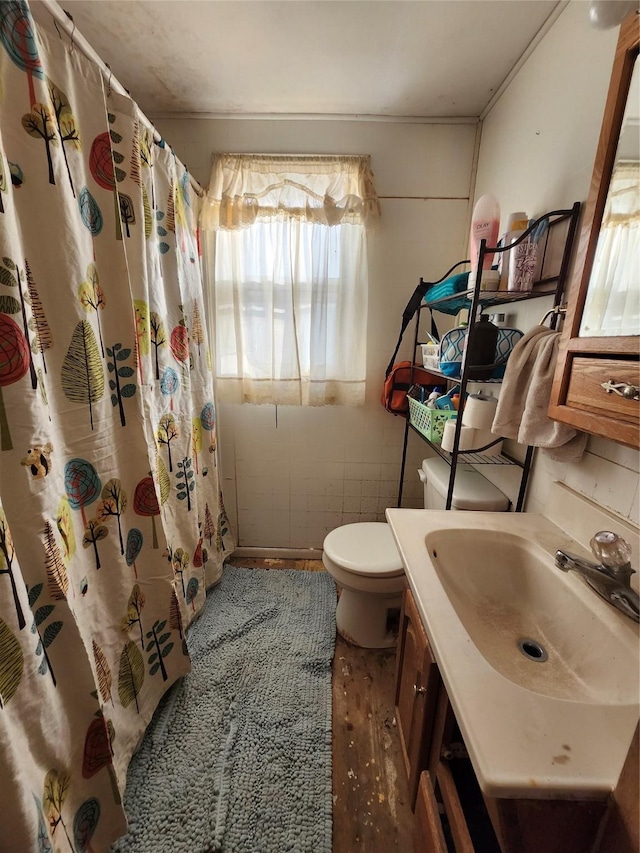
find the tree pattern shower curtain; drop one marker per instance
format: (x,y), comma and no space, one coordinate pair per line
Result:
(112,523)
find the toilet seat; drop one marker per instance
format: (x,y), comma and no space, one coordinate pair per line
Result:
(366,548)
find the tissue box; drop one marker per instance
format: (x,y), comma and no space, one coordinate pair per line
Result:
(430,358)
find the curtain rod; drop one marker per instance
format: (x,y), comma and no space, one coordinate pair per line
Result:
(65,20)
(278,156)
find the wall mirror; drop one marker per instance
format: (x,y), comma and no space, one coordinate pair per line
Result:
(612,304)
(597,380)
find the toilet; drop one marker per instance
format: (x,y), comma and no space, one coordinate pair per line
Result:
(471,491)
(365,563)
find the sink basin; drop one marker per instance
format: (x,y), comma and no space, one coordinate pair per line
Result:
(483,582)
(527,621)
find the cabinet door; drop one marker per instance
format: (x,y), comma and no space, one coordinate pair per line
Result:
(428,836)
(453,808)
(416,690)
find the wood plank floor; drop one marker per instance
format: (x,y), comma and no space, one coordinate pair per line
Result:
(371,812)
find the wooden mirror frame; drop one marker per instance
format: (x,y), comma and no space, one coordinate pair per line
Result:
(584,363)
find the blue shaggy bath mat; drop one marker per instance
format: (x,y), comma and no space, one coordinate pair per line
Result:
(238,756)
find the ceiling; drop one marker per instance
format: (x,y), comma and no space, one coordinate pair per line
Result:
(418,58)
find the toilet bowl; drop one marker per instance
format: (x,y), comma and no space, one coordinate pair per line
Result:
(364,561)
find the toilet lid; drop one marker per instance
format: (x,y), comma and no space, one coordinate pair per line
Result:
(365,548)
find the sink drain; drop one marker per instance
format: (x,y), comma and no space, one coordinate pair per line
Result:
(532,650)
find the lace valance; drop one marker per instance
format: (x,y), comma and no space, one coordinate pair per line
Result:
(329,190)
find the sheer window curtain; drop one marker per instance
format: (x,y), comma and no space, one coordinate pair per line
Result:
(286,254)
(613,298)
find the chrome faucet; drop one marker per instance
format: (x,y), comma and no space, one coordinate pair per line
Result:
(611,577)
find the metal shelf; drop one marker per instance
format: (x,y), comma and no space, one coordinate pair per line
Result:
(472,457)
(547,285)
(491,298)
(437,372)
(476,457)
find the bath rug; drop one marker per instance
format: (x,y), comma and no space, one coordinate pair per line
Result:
(237,758)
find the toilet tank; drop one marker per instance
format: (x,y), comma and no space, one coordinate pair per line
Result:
(471,491)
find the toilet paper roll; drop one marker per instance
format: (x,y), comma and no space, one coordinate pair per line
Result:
(467,436)
(479,412)
(484,437)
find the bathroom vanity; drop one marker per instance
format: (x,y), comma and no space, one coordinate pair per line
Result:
(517,686)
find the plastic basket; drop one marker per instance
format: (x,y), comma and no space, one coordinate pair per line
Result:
(429,422)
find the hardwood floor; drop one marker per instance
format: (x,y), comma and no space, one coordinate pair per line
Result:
(371,811)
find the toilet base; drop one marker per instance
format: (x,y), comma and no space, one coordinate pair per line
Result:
(364,620)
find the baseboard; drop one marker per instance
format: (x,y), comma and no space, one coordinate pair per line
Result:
(278,553)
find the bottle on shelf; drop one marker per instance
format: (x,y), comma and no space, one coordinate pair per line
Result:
(431,400)
(482,349)
(517,224)
(485,224)
(522,267)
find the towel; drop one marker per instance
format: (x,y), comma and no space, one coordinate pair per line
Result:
(521,413)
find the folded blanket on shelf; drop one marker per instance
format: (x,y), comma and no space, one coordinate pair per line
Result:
(447,289)
(521,413)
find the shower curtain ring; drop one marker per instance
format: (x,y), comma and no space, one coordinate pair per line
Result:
(109,80)
(55,24)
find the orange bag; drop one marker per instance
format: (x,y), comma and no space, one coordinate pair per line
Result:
(398,382)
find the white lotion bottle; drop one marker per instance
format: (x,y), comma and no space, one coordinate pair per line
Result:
(485,224)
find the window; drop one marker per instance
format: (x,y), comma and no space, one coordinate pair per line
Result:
(288,262)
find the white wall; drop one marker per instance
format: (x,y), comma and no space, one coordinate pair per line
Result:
(287,485)
(536,154)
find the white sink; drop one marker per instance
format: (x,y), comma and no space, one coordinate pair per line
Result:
(559,728)
(526,621)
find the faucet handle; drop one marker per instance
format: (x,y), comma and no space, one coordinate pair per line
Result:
(611,550)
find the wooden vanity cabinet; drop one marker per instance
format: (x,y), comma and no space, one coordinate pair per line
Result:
(451,813)
(430,738)
(417,682)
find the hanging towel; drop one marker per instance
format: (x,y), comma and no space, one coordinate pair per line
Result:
(524,399)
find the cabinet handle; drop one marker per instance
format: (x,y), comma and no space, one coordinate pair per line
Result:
(629,392)
(417,689)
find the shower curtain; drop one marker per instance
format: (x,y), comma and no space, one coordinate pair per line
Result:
(112,523)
